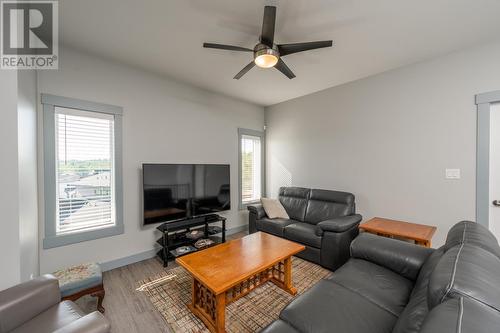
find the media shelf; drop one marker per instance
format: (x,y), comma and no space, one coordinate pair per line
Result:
(174,235)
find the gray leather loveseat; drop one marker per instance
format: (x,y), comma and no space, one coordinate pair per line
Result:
(389,286)
(35,306)
(324,221)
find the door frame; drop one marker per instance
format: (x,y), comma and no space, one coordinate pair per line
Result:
(483,102)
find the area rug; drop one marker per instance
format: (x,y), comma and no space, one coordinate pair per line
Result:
(247,314)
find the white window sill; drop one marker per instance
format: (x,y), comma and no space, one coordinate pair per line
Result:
(50,242)
(243,205)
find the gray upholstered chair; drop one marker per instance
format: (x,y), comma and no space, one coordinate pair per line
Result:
(35,306)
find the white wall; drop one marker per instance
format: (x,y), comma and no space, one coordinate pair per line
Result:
(164,122)
(388,139)
(18,177)
(27,159)
(9,232)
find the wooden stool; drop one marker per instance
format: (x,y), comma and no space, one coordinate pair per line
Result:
(81,280)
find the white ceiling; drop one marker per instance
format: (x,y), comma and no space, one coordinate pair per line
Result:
(370,36)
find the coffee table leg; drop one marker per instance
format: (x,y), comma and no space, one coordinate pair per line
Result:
(288,277)
(282,276)
(207,306)
(220,313)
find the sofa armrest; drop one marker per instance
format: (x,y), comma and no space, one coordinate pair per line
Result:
(401,257)
(258,210)
(94,322)
(24,301)
(339,224)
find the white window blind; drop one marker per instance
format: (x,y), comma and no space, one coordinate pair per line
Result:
(85,175)
(251,168)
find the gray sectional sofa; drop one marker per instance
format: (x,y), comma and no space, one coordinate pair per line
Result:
(324,221)
(390,286)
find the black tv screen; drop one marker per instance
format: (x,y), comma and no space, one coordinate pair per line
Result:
(178,191)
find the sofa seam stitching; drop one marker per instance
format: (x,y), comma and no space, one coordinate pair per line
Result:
(452,281)
(288,323)
(367,298)
(475,299)
(460,315)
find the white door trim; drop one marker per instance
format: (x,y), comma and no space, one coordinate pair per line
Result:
(483,102)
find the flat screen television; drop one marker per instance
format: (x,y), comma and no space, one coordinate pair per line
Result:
(178,191)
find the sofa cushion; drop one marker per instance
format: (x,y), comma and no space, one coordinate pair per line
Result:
(279,326)
(304,233)
(412,317)
(403,258)
(466,270)
(472,233)
(294,199)
(52,319)
(383,287)
(324,205)
(462,315)
(273,226)
(328,307)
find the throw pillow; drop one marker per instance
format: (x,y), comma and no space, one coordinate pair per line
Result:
(274,209)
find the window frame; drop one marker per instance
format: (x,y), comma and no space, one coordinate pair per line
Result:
(51,238)
(262,135)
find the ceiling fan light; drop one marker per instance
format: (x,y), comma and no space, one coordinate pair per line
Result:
(266,60)
(265,57)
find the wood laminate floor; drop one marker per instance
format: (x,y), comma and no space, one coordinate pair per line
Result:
(127,309)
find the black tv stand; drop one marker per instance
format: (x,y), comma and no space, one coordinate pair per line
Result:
(173,234)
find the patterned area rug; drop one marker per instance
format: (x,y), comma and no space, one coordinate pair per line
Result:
(247,314)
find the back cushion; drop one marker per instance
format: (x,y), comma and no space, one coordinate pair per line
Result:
(294,200)
(472,233)
(466,270)
(412,317)
(466,266)
(324,205)
(462,315)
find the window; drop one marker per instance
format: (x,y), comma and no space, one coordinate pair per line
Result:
(251,162)
(84,177)
(82,158)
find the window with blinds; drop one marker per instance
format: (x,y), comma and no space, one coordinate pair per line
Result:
(251,168)
(85,184)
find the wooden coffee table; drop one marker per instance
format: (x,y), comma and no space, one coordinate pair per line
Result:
(420,233)
(226,272)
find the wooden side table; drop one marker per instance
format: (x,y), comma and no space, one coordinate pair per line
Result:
(420,233)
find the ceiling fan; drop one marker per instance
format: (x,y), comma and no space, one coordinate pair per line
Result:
(267,54)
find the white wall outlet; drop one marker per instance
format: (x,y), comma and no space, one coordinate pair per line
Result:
(452,173)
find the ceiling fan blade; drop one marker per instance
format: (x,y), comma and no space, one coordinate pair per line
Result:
(286,49)
(283,68)
(244,70)
(267,36)
(226,47)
